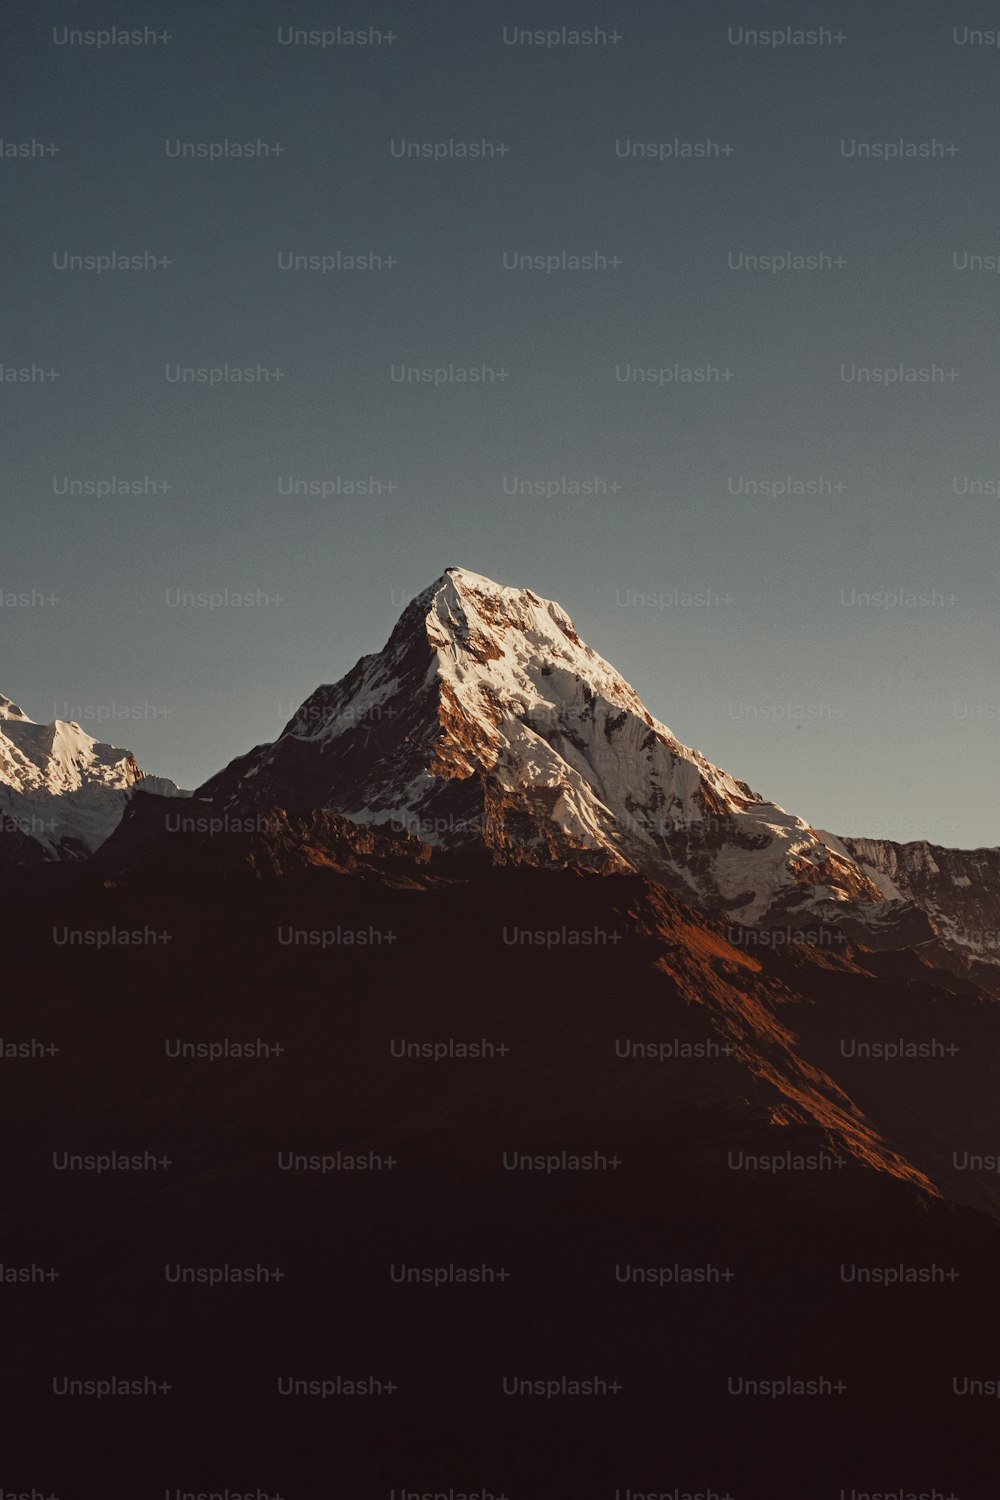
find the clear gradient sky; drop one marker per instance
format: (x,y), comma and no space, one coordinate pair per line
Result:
(863,717)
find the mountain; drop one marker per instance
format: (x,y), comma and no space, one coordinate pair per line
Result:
(589,1080)
(61,791)
(486,723)
(959,889)
(799,1208)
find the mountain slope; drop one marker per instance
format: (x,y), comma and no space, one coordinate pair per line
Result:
(486,722)
(958,888)
(61,791)
(684,1063)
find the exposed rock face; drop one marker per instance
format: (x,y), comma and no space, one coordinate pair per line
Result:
(158,836)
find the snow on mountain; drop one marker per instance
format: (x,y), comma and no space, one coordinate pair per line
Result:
(486,721)
(959,889)
(61,788)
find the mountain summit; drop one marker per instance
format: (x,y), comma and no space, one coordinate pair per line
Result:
(486,723)
(61,791)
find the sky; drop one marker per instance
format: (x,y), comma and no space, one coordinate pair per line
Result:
(785,536)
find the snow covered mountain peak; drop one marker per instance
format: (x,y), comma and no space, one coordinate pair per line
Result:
(487,723)
(9,710)
(525,647)
(61,787)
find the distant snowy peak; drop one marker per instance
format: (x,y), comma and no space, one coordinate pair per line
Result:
(486,722)
(60,787)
